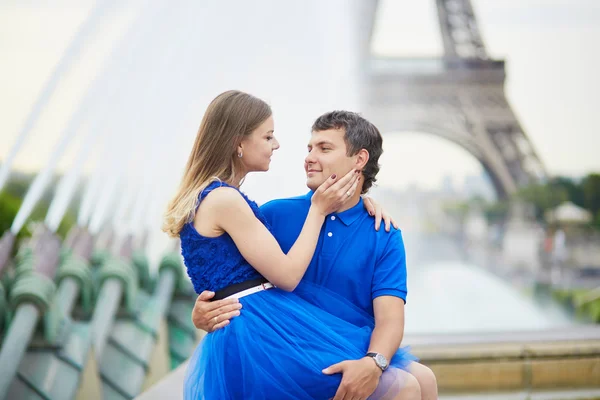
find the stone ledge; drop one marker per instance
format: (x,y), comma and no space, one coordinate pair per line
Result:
(509,351)
(512,363)
(493,375)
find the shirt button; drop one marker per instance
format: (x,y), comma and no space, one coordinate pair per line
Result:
(333,217)
(330,234)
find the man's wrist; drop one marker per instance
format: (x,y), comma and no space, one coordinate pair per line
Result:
(380,360)
(373,365)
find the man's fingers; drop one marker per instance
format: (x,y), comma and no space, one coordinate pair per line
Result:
(228,316)
(387,218)
(341,393)
(205,296)
(220,325)
(394,223)
(224,319)
(214,306)
(334,369)
(221,311)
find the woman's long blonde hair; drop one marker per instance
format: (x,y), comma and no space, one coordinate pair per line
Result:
(229,118)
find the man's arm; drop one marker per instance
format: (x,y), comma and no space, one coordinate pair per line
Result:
(389,325)
(389,297)
(360,377)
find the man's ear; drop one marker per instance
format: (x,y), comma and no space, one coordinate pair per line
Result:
(362,157)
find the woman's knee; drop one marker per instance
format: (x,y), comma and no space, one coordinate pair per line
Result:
(411,389)
(426,379)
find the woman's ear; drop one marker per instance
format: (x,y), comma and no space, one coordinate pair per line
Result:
(362,157)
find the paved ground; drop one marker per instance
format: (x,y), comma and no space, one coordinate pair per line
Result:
(591,394)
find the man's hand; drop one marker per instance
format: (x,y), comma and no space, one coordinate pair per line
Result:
(359,378)
(212,315)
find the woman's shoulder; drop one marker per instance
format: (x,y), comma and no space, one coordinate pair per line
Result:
(225,197)
(217,188)
(220,197)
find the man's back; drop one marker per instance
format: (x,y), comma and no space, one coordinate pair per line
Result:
(351,258)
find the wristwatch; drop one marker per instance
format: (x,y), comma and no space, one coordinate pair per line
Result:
(380,360)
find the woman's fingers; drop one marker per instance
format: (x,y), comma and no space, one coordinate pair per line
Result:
(327,184)
(343,182)
(368,204)
(352,189)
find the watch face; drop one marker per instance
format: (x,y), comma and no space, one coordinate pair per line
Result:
(381,361)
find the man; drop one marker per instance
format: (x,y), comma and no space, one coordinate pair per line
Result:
(364,265)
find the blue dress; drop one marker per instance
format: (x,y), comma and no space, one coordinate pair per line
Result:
(279,345)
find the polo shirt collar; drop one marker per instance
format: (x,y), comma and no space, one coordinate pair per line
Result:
(349,216)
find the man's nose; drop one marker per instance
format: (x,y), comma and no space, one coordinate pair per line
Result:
(310,158)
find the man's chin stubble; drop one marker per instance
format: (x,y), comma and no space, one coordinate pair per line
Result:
(311,185)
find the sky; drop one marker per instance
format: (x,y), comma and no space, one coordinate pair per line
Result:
(550,48)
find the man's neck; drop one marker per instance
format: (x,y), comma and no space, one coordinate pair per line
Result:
(353,201)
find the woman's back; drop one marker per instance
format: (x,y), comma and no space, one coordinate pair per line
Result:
(213,263)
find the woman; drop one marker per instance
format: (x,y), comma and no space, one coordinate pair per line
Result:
(278,348)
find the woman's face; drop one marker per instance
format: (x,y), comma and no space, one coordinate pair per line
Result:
(257,148)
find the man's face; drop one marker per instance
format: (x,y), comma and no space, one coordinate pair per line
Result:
(326,156)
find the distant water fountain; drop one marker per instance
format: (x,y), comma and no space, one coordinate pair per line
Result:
(106,114)
(43,178)
(149,146)
(116,68)
(456,297)
(71,54)
(68,184)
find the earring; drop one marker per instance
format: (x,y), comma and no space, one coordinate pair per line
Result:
(240,154)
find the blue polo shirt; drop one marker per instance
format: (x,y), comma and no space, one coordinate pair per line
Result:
(351,258)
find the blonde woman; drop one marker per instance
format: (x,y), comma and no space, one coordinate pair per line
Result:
(280,345)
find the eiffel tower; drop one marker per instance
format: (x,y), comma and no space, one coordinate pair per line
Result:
(459,97)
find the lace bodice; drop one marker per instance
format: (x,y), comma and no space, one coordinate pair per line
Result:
(213,263)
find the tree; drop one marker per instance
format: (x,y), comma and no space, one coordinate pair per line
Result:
(543,197)
(12,196)
(9,206)
(591,196)
(591,192)
(496,212)
(573,189)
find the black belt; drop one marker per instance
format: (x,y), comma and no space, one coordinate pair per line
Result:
(238,287)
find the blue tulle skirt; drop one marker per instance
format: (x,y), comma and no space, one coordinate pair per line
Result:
(279,345)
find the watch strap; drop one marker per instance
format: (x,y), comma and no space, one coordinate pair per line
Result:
(374,356)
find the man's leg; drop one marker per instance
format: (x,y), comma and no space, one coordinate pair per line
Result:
(426,379)
(396,384)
